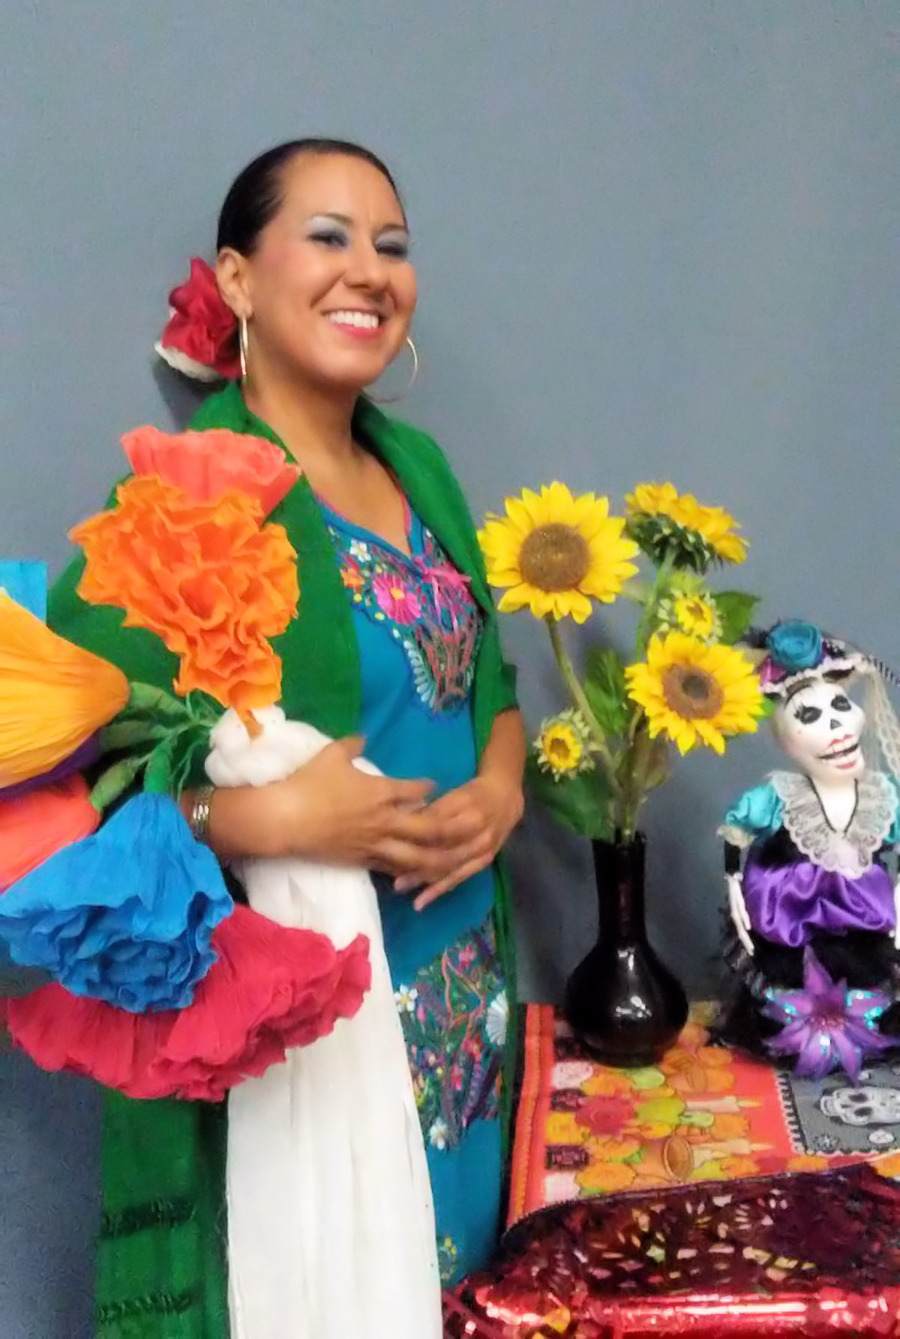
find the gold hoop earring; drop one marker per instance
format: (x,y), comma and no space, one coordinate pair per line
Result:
(392,399)
(243,345)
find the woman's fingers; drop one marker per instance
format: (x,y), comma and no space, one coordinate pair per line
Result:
(450,881)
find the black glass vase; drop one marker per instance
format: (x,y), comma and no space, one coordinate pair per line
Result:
(622,1003)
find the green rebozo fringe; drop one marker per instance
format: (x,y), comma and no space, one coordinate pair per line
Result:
(161,1267)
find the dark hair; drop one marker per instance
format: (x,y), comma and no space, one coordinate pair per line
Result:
(256,194)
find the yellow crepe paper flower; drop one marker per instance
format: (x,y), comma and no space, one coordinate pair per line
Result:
(563,745)
(667,523)
(556,553)
(695,693)
(53,695)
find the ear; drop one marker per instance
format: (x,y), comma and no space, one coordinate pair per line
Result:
(233,278)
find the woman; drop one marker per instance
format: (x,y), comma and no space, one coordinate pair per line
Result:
(395,650)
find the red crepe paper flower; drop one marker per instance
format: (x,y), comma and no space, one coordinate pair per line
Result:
(35,825)
(205,464)
(271,988)
(200,337)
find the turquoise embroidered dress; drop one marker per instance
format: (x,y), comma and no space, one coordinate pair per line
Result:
(418,629)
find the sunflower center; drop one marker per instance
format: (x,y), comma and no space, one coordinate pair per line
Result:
(559,750)
(554,557)
(692,693)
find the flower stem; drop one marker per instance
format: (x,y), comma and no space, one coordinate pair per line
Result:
(651,605)
(580,698)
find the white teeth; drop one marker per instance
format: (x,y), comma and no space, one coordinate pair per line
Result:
(363,320)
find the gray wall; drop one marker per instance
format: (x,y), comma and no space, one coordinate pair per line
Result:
(655,239)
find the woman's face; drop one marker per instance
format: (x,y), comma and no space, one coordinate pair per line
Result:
(820,728)
(330,290)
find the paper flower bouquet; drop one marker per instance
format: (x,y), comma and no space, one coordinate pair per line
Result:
(162,985)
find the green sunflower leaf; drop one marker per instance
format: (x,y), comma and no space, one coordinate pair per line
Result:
(735,610)
(605,690)
(579,802)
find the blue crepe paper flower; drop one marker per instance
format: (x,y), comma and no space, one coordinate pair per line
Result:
(125,915)
(795,645)
(25,581)
(826,1025)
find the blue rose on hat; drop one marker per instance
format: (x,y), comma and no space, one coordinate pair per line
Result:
(795,645)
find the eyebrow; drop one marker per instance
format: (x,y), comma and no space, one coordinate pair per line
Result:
(349,222)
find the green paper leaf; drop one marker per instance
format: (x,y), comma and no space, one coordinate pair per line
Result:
(735,609)
(158,776)
(126,734)
(604,688)
(115,781)
(147,700)
(579,802)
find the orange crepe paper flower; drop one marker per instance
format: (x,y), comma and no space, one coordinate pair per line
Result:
(36,825)
(211,582)
(53,695)
(206,464)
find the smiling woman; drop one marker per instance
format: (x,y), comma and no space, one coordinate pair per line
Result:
(395,639)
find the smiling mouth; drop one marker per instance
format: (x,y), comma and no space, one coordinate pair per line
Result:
(356,320)
(838,754)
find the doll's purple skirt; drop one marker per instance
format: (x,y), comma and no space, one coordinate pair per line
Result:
(789,904)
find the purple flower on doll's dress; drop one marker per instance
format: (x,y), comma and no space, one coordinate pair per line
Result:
(826,1025)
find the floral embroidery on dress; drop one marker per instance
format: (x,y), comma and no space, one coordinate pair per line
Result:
(448,1253)
(454,1021)
(427,605)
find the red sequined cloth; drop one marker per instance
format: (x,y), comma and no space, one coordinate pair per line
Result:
(811,1254)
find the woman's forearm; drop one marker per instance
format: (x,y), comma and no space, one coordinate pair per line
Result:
(506,749)
(243,821)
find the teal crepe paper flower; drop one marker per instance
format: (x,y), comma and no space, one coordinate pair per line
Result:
(125,915)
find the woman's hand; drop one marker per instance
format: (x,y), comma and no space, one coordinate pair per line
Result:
(328,811)
(471,824)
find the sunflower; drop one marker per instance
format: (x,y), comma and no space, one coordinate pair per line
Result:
(695,693)
(563,745)
(555,552)
(667,524)
(689,607)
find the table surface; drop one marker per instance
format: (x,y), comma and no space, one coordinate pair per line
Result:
(705,1112)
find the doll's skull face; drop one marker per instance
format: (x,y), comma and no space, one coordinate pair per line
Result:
(820,728)
(863,1106)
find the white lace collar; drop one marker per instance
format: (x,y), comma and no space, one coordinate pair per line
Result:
(849,852)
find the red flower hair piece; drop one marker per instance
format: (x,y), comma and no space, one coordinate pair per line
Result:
(200,336)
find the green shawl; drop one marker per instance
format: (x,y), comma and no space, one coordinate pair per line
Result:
(161,1272)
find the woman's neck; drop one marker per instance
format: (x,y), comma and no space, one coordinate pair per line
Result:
(315,425)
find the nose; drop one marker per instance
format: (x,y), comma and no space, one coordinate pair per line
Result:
(835,725)
(367,267)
